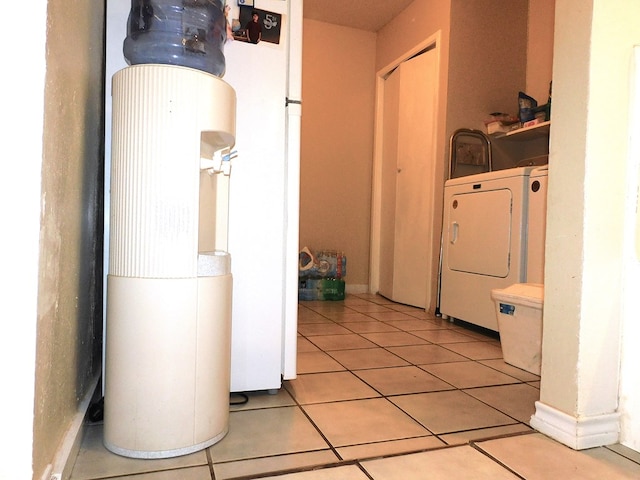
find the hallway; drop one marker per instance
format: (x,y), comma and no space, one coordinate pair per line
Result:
(384,392)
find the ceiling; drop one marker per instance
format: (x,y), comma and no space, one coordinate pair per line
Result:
(369,15)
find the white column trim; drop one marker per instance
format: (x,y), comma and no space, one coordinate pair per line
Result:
(577,433)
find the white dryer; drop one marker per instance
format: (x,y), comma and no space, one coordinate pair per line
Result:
(484,242)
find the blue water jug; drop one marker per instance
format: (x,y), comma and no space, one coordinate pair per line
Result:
(189,33)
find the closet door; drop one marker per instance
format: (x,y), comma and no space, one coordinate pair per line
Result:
(407,180)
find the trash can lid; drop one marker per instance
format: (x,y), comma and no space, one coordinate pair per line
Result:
(529,294)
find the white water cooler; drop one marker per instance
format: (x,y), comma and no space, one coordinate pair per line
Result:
(167,373)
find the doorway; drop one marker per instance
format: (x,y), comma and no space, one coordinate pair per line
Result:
(403,234)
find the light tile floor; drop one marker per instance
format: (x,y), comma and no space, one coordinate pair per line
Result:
(384,392)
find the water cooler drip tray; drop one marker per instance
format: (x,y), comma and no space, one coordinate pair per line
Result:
(214,264)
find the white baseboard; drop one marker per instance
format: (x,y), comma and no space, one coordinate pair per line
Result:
(62,465)
(577,433)
(356,289)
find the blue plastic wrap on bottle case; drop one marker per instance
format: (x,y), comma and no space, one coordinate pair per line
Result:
(188,33)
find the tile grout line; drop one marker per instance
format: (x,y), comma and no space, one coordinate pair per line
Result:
(479,449)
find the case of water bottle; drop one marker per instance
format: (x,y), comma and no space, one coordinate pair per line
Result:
(320,275)
(188,33)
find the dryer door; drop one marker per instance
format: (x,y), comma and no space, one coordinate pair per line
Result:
(479,232)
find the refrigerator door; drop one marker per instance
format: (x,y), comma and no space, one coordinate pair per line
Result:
(293,126)
(263,209)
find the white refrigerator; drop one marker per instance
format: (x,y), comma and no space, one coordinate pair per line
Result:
(264,191)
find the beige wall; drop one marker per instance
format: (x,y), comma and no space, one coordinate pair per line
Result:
(568,166)
(487,60)
(540,48)
(338,81)
(413,25)
(69,325)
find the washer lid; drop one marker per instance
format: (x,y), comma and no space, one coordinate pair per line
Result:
(489,176)
(540,172)
(527,294)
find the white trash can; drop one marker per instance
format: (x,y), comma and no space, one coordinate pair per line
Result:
(519,313)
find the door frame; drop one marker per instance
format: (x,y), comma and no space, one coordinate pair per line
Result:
(434,41)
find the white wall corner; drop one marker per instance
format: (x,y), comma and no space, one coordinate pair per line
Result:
(577,433)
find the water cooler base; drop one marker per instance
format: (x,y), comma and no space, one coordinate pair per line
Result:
(167,373)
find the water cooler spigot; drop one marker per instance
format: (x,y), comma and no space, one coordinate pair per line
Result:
(219,163)
(226,162)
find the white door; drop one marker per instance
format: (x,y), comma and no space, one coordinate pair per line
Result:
(407,180)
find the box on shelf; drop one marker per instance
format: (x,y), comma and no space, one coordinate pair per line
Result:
(500,123)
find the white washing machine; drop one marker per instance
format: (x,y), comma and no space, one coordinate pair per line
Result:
(484,242)
(536,224)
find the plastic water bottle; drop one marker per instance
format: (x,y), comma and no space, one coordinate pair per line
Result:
(189,33)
